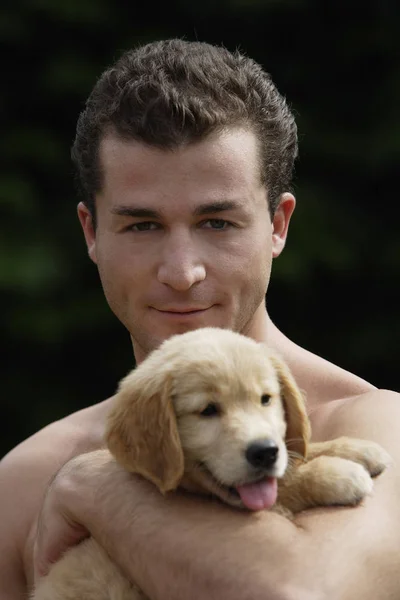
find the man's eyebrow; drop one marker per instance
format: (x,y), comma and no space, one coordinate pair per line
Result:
(149,213)
(132,211)
(216,207)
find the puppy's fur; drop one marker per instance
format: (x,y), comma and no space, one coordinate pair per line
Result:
(196,414)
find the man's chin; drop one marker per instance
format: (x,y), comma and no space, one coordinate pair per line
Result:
(160,327)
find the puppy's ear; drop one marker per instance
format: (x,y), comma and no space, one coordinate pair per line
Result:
(298,431)
(142,432)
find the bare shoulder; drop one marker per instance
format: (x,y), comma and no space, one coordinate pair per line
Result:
(31,464)
(370,415)
(26,471)
(53,445)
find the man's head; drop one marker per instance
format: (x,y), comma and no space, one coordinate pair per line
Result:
(172,93)
(185,153)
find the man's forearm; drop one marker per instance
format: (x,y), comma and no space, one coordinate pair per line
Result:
(185,550)
(180,547)
(185,547)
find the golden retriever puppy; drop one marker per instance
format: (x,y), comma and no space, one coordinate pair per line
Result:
(216,413)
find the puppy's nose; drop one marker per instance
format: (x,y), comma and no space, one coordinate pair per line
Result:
(262,453)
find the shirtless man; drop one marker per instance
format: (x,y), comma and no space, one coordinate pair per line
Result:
(185,154)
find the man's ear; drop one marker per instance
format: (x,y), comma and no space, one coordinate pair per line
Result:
(86,220)
(280,222)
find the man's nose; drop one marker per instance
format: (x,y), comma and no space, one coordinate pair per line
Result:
(181,265)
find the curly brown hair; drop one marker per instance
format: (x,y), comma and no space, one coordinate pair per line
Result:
(173,92)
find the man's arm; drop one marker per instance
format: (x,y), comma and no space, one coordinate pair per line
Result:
(24,476)
(12,579)
(181,546)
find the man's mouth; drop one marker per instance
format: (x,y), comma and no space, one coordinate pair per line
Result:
(182,314)
(182,310)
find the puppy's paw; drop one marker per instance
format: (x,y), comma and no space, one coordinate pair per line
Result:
(353,484)
(325,481)
(368,454)
(337,481)
(375,459)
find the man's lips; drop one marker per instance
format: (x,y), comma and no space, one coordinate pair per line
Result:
(181,310)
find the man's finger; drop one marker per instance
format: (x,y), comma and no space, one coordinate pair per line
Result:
(56,532)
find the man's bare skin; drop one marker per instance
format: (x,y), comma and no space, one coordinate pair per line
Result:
(40,456)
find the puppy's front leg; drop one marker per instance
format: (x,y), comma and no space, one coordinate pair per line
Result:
(368,454)
(324,481)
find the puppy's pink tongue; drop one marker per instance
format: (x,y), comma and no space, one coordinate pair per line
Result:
(260,495)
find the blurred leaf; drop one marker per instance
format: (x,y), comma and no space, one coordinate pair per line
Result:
(30,267)
(87,12)
(38,146)
(17,196)
(68,73)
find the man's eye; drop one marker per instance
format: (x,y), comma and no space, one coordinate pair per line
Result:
(216,224)
(144,226)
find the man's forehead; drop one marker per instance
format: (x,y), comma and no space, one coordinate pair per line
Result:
(233,147)
(215,171)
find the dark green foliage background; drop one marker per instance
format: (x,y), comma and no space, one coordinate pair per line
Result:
(335,290)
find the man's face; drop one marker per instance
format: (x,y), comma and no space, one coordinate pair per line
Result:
(184,238)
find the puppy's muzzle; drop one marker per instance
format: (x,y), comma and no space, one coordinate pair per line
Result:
(262,454)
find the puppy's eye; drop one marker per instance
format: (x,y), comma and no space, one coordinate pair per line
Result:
(265,399)
(211,410)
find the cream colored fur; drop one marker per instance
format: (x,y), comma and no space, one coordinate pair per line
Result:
(156,429)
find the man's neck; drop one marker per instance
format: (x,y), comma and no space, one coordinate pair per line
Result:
(320,380)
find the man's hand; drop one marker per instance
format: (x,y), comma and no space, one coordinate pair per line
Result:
(84,499)
(58,527)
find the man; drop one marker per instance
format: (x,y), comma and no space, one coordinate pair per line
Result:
(185,154)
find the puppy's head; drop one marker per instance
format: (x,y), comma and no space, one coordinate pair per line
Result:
(214,405)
